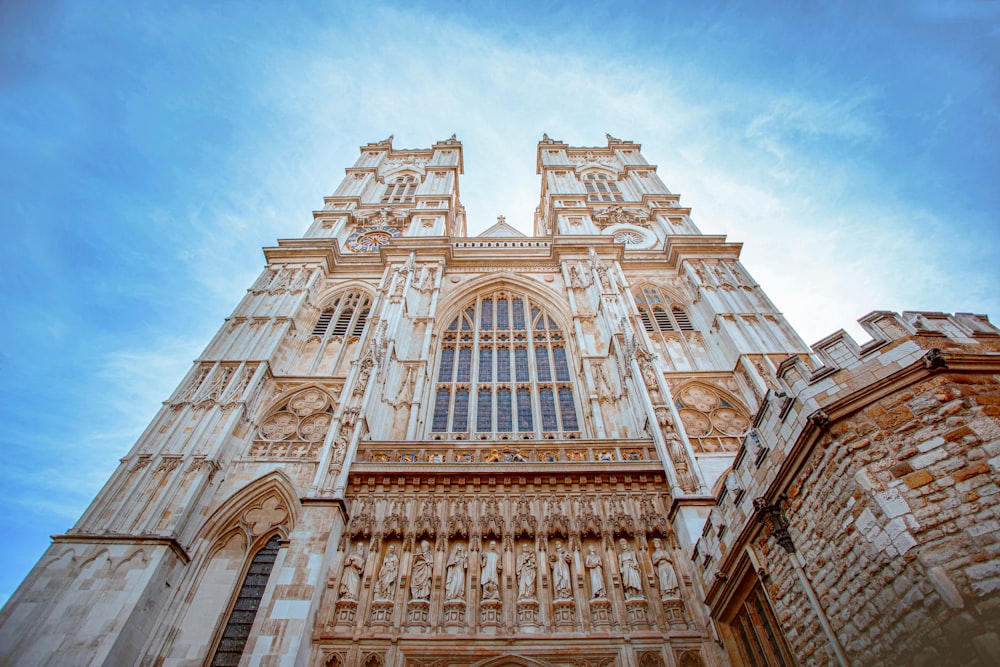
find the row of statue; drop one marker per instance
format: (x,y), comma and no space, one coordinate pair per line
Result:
(491,566)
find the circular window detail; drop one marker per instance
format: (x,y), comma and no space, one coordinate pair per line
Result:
(368,239)
(633,236)
(629,237)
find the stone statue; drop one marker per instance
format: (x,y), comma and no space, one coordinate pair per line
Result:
(420,572)
(387,575)
(629,566)
(489,561)
(596,568)
(560,572)
(350,582)
(527,568)
(665,575)
(454,587)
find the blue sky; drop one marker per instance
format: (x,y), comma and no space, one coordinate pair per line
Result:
(148,151)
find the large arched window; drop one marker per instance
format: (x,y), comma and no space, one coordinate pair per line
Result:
(503,372)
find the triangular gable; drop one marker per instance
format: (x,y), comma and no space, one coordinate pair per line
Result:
(502,230)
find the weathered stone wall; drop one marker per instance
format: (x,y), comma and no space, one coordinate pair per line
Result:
(895,515)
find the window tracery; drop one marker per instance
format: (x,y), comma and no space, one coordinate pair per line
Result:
(600,187)
(346,315)
(713,422)
(297,428)
(401,190)
(503,372)
(659,314)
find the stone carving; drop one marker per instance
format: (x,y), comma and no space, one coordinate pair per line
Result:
(666,578)
(628,564)
(590,521)
(459,523)
(458,563)
(420,572)
(407,386)
(526,569)
(595,566)
(558,522)
(524,521)
(649,375)
(621,520)
(603,275)
(491,566)
(561,584)
(387,575)
(602,386)
(492,519)
(350,581)
(578,278)
(427,522)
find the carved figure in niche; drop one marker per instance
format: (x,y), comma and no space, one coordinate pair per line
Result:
(420,572)
(489,561)
(524,523)
(560,572)
(350,581)
(665,575)
(649,377)
(407,386)
(602,386)
(340,449)
(629,566)
(387,575)
(458,562)
(527,568)
(596,568)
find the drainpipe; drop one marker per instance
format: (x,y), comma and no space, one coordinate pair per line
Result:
(773,516)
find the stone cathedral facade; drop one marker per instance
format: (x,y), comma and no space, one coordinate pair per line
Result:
(597,445)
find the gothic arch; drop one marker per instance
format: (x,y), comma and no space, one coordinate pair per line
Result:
(597,168)
(450,306)
(270,494)
(272,405)
(713,418)
(326,296)
(512,661)
(395,171)
(504,366)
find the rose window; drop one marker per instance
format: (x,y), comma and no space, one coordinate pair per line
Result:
(713,423)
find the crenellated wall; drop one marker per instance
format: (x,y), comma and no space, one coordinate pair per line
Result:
(883,458)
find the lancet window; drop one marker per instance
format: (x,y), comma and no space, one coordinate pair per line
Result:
(659,314)
(600,187)
(345,316)
(401,190)
(503,372)
(244,611)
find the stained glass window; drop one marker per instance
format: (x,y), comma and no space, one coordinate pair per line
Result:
(504,410)
(241,618)
(484,411)
(475,383)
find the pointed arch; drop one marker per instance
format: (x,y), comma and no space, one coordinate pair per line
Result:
(231,514)
(714,419)
(662,311)
(512,661)
(505,365)
(451,305)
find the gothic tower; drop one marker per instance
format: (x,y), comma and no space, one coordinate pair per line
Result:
(407,446)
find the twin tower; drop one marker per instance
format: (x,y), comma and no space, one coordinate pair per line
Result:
(408,446)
